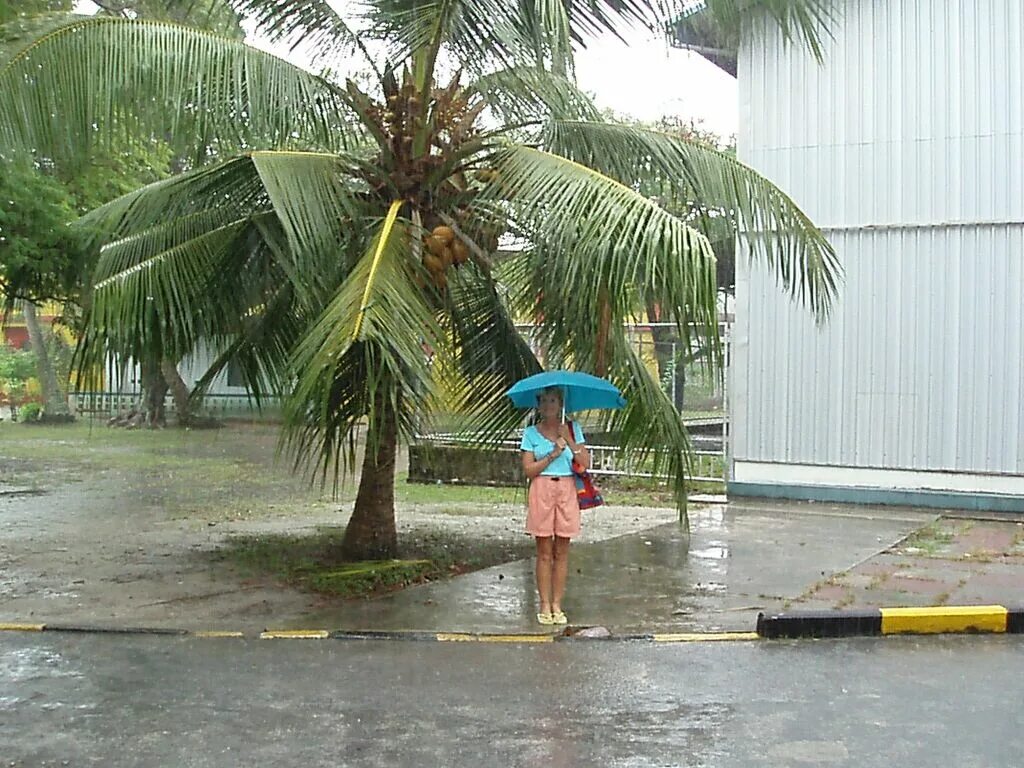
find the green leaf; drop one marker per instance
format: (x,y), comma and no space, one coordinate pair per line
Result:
(714,28)
(597,237)
(715,192)
(363,356)
(312,24)
(488,356)
(97,79)
(529,94)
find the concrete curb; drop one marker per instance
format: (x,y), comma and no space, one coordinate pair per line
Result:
(569,634)
(967,619)
(956,619)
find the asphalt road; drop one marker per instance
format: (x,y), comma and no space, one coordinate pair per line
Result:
(85,700)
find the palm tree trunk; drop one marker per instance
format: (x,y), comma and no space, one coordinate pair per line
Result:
(179,392)
(371,533)
(54,402)
(154,389)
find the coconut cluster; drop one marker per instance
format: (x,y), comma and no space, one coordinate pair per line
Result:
(443,249)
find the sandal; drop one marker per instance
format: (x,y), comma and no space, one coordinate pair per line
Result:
(544,618)
(557,617)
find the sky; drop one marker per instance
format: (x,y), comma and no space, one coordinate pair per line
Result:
(640,77)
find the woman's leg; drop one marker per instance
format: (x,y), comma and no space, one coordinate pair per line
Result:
(560,572)
(545,548)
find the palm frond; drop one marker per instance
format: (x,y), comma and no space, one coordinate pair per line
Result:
(649,427)
(313,24)
(293,221)
(319,202)
(163,305)
(96,79)
(480,34)
(259,346)
(363,357)
(581,19)
(272,317)
(179,202)
(314,195)
(600,241)
(804,22)
(488,356)
(530,94)
(714,191)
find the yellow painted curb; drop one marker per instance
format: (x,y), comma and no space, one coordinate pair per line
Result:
(217,633)
(956,618)
(701,637)
(8,627)
(465,637)
(295,634)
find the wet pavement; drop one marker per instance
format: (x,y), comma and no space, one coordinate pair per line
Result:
(92,700)
(124,536)
(952,561)
(737,561)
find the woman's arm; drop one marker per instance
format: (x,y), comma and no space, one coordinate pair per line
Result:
(580,452)
(533,467)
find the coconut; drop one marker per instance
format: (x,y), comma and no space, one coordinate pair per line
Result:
(434,264)
(435,245)
(460,253)
(445,233)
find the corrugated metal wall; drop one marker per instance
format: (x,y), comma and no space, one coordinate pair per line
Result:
(907,148)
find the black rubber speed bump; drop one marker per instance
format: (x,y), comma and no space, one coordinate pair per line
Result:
(820,624)
(1015,620)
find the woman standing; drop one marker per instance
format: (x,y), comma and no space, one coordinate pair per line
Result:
(553,518)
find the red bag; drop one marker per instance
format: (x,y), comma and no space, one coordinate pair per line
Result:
(587,494)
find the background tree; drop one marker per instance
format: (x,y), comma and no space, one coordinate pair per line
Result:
(352,228)
(40,260)
(90,180)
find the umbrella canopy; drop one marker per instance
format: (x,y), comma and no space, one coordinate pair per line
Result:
(580,391)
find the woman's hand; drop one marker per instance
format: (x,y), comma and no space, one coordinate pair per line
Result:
(561,444)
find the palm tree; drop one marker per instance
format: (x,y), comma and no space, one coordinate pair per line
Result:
(337,232)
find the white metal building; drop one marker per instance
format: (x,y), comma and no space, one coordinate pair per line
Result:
(907,147)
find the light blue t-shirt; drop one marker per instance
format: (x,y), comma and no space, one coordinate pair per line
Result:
(534,441)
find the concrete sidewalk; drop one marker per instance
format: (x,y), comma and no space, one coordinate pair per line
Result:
(738,561)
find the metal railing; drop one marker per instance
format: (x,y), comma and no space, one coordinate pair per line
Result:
(608,459)
(113,403)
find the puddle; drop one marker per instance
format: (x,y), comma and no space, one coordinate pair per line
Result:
(30,663)
(711,553)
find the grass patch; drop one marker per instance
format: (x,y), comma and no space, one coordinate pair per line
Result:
(646,491)
(313,561)
(929,539)
(442,493)
(618,490)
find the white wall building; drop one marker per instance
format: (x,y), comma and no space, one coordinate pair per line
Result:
(907,148)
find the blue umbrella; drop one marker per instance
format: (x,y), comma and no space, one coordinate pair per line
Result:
(580,391)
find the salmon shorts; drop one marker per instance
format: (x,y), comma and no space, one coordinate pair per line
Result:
(553,509)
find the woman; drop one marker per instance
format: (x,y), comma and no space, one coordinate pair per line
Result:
(549,448)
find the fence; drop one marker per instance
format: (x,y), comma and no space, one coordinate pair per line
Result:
(108,404)
(694,387)
(609,459)
(698,391)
